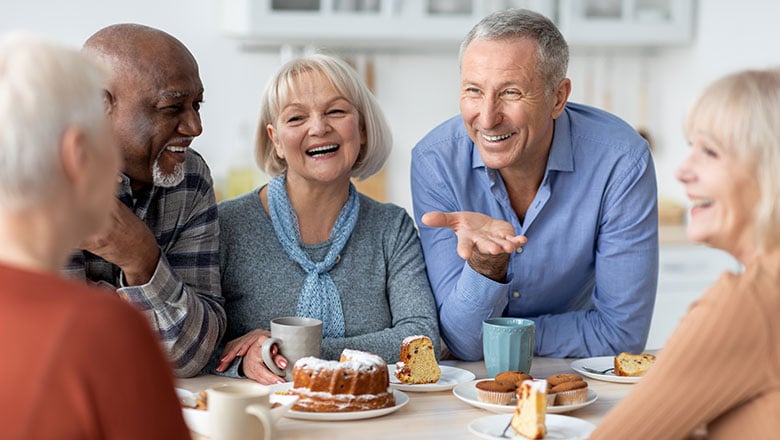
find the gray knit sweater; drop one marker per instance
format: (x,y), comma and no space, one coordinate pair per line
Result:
(381,278)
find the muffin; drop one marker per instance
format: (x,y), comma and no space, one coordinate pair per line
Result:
(516,377)
(571,392)
(495,391)
(567,389)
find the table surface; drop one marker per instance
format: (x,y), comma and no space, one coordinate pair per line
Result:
(428,415)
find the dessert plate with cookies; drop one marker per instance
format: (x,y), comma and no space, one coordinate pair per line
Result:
(623,368)
(498,396)
(530,418)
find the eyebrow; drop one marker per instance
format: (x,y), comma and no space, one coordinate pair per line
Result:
(176,94)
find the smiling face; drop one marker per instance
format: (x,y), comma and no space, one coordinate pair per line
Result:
(724,192)
(504,103)
(317,132)
(155,112)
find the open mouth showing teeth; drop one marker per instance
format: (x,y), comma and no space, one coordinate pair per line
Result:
(700,203)
(500,137)
(325,149)
(175,149)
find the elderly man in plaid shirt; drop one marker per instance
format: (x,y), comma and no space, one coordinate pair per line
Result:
(162,251)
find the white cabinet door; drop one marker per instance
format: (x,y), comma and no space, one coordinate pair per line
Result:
(626,22)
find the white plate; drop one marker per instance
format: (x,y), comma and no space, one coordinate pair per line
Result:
(558,427)
(401,399)
(450,376)
(600,364)
(467,392)
(198,420)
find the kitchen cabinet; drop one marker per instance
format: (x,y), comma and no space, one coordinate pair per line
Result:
(441,24)
(686,270)
(626,22)
(374,24)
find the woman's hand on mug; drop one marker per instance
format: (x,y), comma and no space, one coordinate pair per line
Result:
(255,368)
(248,346)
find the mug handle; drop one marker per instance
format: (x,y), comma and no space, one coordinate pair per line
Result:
(262,413)
(269,362)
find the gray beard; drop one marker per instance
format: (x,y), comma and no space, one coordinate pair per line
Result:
(159,178)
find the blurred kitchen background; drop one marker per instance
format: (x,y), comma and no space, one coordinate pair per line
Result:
(644,60)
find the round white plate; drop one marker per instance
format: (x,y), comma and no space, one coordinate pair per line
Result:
(558,427)
(198,420)
(601,364)
(467,392)
(450,376)
(401,399)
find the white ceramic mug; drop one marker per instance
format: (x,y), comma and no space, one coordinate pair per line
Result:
(242,411)
(296,337)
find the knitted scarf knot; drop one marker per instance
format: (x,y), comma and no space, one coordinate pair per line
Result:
(319,297)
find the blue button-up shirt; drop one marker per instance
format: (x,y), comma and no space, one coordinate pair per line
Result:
(587,276)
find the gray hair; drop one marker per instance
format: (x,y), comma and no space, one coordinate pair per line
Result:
(553,53)
(44,90)
(741,112)
(347,82)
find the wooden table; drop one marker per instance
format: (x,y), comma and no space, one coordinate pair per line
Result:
(436,415)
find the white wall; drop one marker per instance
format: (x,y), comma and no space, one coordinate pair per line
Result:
(419,90)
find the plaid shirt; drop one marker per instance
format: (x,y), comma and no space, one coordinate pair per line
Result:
(183,299)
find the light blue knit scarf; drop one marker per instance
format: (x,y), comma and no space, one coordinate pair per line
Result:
(319,297)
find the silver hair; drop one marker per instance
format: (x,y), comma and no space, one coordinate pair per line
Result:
(347,82)
(44,90)
(553,53)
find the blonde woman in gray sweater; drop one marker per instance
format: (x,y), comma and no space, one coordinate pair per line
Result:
(307,243)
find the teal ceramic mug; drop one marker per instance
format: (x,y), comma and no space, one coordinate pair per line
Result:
(507,344)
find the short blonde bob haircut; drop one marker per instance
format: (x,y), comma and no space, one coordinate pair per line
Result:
(348,83)
(741,112)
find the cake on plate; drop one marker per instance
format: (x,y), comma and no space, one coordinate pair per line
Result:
(359,381)
(528,419)
(633,365)
(417,361)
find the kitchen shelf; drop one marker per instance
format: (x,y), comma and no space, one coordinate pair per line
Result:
(396,24)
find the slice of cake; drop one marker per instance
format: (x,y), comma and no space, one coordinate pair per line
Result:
(417,361)
(528,419)
(633,365)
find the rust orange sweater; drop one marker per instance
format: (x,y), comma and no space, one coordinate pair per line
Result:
(720,369)
(79,363)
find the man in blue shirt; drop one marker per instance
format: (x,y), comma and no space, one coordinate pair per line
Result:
(553,204)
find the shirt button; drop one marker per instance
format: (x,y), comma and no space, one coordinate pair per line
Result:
(516,294)
(519,250)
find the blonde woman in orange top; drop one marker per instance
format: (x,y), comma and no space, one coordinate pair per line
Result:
(719,373)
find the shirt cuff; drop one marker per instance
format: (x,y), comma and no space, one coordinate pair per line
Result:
(477,288)
(161,286)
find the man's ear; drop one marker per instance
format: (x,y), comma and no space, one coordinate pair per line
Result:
(73,154)
(108,101)
(561,95)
